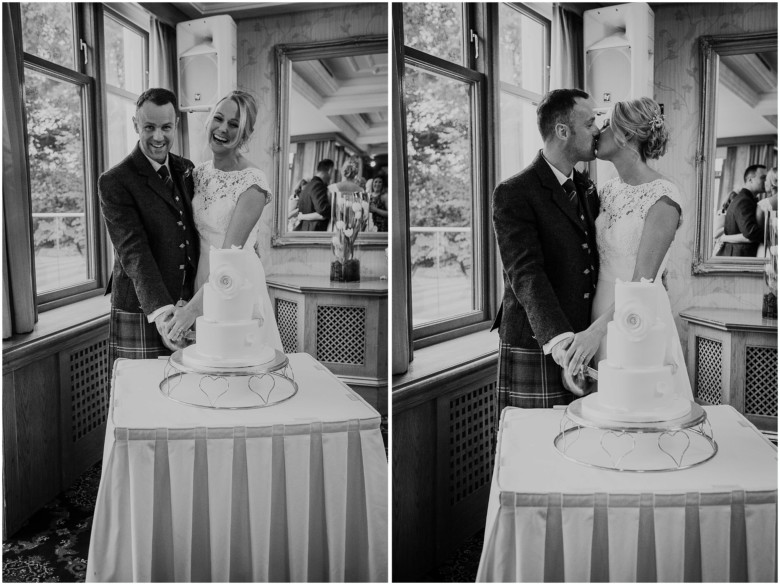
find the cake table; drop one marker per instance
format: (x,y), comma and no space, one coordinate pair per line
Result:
(551,519)
(291,493)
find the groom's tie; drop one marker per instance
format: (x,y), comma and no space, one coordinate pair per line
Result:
(165,175)
(571,192)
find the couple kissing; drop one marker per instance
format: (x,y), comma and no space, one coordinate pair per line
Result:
(563,244)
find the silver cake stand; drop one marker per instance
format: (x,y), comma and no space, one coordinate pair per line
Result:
(224,388)
(633,446)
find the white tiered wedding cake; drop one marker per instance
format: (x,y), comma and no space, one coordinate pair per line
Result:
(634,382)
(228,334)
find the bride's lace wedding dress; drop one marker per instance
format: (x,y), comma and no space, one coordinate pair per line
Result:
(216,194)
(618,231)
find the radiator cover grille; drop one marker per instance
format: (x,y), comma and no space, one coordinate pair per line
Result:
(89,377)
(709,373)
(287,320)
(471,441)
(341,334)
(761,381)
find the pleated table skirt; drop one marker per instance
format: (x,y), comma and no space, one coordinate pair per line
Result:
(295,501)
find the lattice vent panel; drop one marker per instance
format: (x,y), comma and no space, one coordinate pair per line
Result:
(89,377)
(471,441)
(341,334)
(761,381)
(287,320)
(709,370)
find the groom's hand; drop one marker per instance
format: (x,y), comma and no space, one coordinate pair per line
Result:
(558,352)
(162,321)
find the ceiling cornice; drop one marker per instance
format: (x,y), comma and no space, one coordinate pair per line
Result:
(242,10)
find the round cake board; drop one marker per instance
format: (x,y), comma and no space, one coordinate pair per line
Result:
(593,408)
(192,357)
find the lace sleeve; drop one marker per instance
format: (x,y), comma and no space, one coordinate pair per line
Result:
(256,177)
(664,188)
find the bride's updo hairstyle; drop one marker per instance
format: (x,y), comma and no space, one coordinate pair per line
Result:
(350,169)
(642,119)
(247,116)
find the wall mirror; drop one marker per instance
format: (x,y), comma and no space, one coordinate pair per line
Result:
(332,103)
(738,127)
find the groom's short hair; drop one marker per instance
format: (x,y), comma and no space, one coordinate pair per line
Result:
(159,96)
(325,165)
(751,172)
(555,108)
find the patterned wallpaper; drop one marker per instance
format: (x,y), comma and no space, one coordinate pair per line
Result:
(677,86)
(257,38)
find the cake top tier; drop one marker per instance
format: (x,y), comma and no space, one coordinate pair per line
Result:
(231,270)
(636,307)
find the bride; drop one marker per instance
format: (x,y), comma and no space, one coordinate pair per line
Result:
(639,215)
(230,195)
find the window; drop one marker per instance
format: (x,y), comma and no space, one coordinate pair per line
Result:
(524,58)
(126,78)
(63,106)
(445,105)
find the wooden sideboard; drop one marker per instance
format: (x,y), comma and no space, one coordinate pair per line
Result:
(732,359)
(341,324)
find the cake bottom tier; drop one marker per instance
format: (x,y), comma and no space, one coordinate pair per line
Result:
(228,344)
(635,395)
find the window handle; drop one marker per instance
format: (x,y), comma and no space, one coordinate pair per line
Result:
(475,40)
(84,48)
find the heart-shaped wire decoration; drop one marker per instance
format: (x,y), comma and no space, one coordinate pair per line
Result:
(215,388)
(620,444)
(674,443)
(565,424)
(263,391)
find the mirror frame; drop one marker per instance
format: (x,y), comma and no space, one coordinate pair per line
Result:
(711,47)
(285,55)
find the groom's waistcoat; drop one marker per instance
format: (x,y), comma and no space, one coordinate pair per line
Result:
(548,251)
(154,236)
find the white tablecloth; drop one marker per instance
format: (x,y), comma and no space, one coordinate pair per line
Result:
(550,519)
(293,492)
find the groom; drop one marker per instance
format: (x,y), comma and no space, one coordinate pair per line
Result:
(146,204)
(544,222)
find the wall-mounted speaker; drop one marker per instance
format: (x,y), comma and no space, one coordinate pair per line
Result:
(619,52)
(619,47)
(206,48)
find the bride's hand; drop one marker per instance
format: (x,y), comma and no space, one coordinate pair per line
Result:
(183,318)
(582,349)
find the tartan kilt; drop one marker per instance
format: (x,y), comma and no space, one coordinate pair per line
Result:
(131,336)
(529,379)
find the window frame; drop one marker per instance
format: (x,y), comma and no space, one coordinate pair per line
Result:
(89,77)
(482,152)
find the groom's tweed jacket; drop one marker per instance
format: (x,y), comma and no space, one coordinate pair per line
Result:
(549,256)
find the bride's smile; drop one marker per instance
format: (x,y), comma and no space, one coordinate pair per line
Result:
(224,131)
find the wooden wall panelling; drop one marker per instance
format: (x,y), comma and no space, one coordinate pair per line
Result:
(37,420)
(11,482)
(85,382)
(465,448)
(413,492)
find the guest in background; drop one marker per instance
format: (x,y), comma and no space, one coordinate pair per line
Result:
(741,219)
(292,205)
(378,202)
(314,203)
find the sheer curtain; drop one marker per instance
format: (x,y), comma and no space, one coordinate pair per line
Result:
(566,49)
(163,65)
(19,312)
